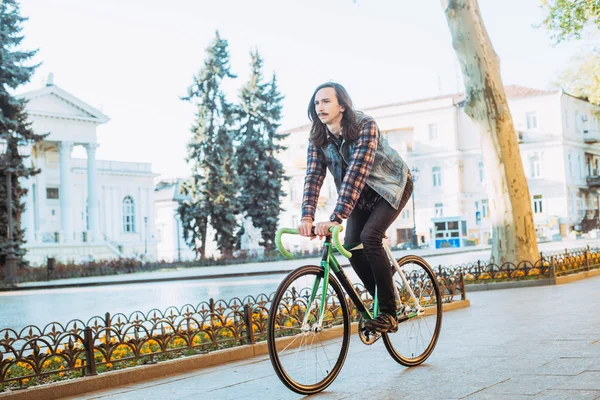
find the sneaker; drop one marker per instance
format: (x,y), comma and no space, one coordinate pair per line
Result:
(384,322)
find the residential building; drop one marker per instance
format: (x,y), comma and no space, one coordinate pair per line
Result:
(558,138)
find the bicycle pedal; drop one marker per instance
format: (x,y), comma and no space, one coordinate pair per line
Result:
(368,337)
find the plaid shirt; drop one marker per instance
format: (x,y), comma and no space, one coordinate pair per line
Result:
(355,179)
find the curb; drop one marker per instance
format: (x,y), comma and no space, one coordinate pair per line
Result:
(134,281)
(480,287)
(104,381)
(193,277)
(559,280)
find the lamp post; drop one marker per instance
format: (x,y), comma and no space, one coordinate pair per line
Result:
(145,236)
(6,163)
(415,240)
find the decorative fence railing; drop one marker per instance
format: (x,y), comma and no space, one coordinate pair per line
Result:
(551,264)
(56,352)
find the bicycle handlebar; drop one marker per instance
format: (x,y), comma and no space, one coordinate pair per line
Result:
(335,232)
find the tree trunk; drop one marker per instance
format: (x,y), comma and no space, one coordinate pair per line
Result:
(513,231)
(203,243)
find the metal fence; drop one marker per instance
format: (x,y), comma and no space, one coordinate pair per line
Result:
(36,355)
(550,265)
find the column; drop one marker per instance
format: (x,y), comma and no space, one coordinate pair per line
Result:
(92,200)
(40,187)
(117,214)
(28,218)
(151,212)
(65,191)
(104,212)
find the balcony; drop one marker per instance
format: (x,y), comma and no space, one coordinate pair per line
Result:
(593,181)
(591,136)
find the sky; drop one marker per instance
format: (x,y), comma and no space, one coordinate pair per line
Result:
(134,59)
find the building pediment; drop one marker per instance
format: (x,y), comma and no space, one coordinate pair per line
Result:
(54,102)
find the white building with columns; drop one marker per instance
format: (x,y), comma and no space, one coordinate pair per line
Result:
(81,209)
(559,140)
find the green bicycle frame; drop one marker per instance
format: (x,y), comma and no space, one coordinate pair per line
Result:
(330,263)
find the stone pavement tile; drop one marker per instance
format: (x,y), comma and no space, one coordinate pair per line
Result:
(382,394)
(588,380)
(495,396)
(553,394)
(524,385)
(569,366)
(588,351)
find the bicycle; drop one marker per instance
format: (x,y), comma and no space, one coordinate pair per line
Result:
(308,328)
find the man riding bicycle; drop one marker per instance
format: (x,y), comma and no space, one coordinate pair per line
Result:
(373,184)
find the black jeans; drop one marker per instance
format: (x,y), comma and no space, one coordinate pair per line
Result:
(371,264)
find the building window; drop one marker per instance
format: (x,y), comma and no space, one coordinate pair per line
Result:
(436,173)
(484,208)
(584,122)
(531,120)
(570,166)
(295,187)
(52,193)
(535,165)
(128,215)
(567,118)
(481,171)
(537,204)
(433,132)
(405,214)
(580,165)
(439,209)
(401,139)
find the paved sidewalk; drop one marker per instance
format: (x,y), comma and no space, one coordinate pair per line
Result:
(249,269)
(534,343)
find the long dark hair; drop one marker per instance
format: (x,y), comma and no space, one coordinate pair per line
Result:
(318,131)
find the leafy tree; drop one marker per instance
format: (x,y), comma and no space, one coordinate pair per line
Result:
(567,19)
(582,78)
(213,185)
(261,173)
(14,127)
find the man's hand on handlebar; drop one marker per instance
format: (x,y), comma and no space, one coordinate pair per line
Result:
(306,228)
(322,228)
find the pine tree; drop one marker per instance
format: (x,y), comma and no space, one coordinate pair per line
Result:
(260,172)
(14,127)
(213,185)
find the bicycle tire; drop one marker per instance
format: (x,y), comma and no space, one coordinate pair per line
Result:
(416,337)
(286,339)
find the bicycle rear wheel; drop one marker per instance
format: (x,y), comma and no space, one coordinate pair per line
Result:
(306,359)
(418,330)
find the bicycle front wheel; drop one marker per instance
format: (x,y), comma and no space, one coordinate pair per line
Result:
(420,317)
(308,357)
